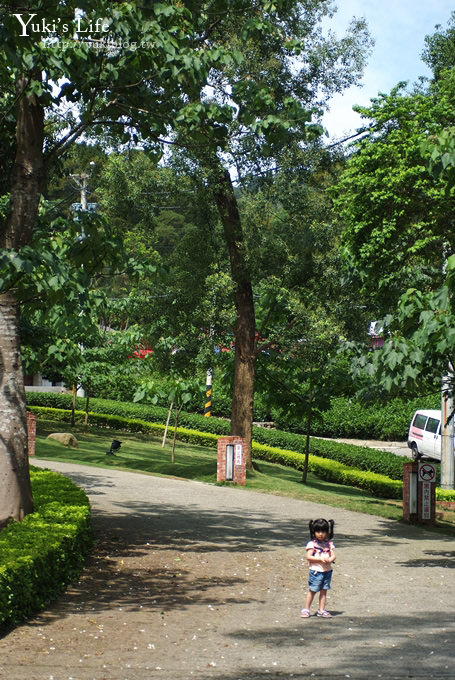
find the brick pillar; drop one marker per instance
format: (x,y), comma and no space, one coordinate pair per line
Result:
(239,469)
(31,432)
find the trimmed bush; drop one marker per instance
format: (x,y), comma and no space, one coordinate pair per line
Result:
(377,484)
(445,495)
(361,457)
(45,552)
(387,422)
(104,412)
(147,412)
(346,418)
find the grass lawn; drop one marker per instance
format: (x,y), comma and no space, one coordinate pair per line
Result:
(144,453)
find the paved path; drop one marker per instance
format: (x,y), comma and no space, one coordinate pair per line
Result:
(192,580)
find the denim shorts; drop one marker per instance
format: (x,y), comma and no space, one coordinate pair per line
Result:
(319,580)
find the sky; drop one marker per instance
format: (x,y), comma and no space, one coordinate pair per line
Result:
(399,28)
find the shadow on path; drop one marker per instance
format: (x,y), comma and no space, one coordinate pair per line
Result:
(180,558)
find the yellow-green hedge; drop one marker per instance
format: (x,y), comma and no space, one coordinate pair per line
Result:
(378,485)
(42,554)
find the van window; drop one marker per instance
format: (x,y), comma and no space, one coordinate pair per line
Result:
(419,421)
(432,425)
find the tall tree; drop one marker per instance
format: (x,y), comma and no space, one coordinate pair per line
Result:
(66,58)
(166,215)
(249,111)
(439,50)
(399,219)
(271,73)
(397,196)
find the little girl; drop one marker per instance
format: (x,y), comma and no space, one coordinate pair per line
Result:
(320,553)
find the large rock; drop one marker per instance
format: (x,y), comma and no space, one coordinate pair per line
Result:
(65,438)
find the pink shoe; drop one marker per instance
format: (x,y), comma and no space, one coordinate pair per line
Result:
(305,613)
(324,613)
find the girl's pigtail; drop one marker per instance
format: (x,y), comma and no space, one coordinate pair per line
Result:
(310,526)
(331,525)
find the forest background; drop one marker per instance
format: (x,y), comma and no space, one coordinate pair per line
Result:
(216,233)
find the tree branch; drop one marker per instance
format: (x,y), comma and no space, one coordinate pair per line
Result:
(273,341)
(264,323)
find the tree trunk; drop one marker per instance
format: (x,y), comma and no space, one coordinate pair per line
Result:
(87,404)
(73,405)
(308,430)
(177,413)
(27,179)
(163,443)
(28,171)
(245,328)
(15,489)
(243,392)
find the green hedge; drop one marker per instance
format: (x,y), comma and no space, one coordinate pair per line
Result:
(445,495)
(363,458)
(346,418)
(329,460)
(331,470)
(386,422)
(105,406)
(45,552)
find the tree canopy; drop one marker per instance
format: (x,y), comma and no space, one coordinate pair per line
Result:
(230,84)
(63,75)
(399,218)
(397,197)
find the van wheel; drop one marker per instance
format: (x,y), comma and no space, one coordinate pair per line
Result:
(415,452)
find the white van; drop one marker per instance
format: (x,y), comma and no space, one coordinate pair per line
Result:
(424,438)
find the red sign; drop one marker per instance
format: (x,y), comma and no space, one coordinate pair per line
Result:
(426,500)
(427,472)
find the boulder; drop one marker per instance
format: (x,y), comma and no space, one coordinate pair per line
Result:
(65,438)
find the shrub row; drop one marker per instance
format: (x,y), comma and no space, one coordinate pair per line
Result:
(447,495)
(42,554)
(330,470)
(346,418)
(106,406)
(378,485)
(330,461)
(349,418)
(360,457)
(363,458)
(387,422)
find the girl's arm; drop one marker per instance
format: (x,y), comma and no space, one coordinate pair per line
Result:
(322,557)
(319,558)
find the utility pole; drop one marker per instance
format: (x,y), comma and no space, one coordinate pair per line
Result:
(447,432)
(447,413)
(82,184)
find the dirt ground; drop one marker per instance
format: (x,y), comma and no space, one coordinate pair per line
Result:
(192,580)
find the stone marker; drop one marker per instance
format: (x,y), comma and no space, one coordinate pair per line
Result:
(65,438)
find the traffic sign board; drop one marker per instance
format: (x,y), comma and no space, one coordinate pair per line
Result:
(427,472)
